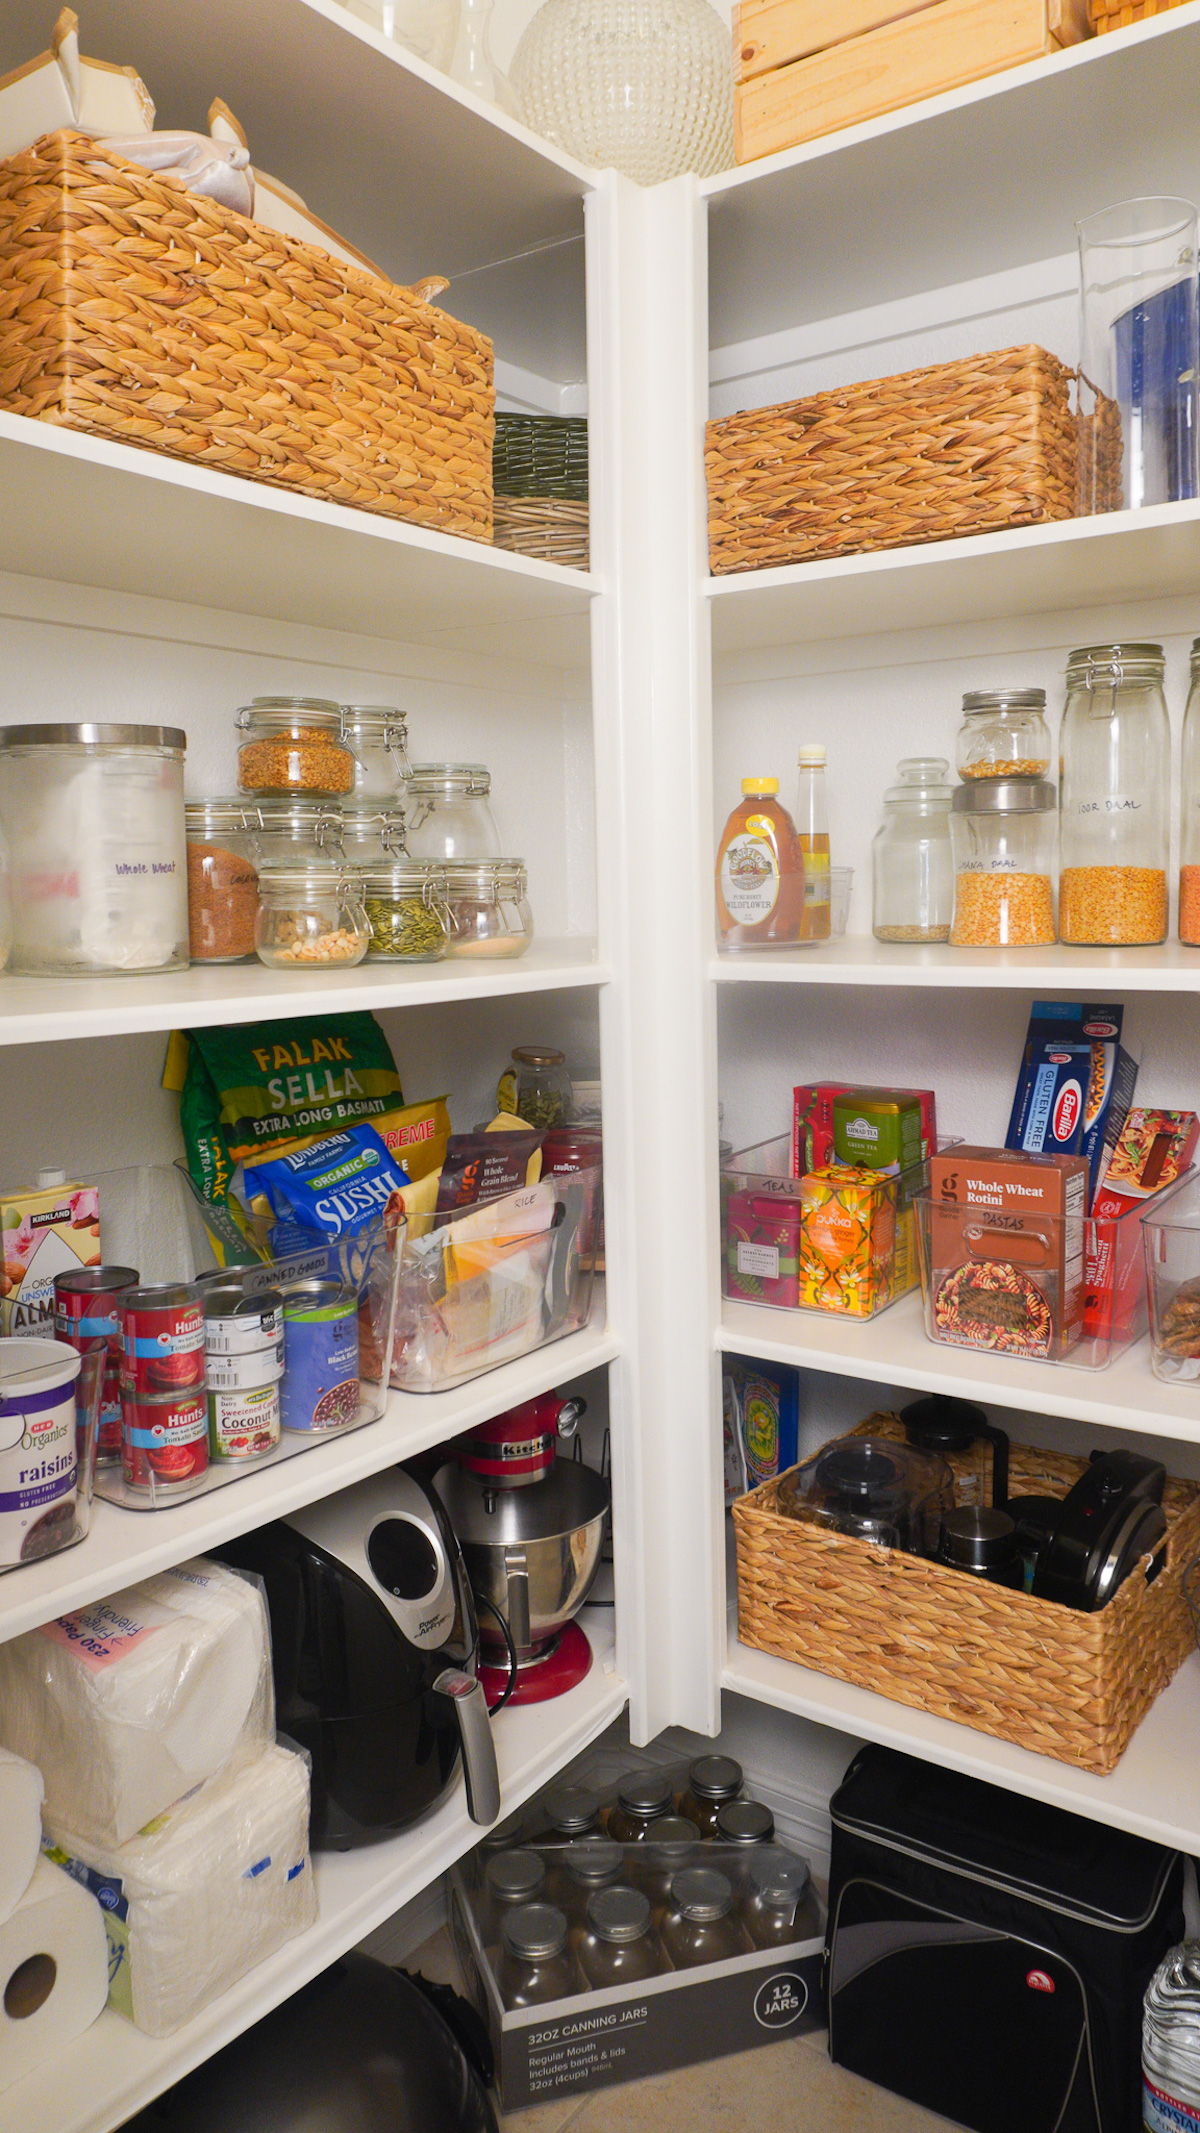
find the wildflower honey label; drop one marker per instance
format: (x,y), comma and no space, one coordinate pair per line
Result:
(750,877)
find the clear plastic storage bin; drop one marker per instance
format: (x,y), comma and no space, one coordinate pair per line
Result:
(1064,1289)
(841,1239)
(1171,1234)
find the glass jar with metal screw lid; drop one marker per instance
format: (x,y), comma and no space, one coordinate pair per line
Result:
(293,744)
(377,735)
(1004,734)
(1004,832)
(509,1879)
(405,903)
(1114,798)
(642,1799)
(700,1926)
(372,834)
(489,907)
(618,1946)
(222,879)
(912,863)
(713,1781)
(534,1964)
(537,1086)
(449,812)
(288,831)
(310,917)
(780,1904)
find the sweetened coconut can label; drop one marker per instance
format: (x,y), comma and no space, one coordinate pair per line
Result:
(320,1344)
(37,1471)
(243,1424)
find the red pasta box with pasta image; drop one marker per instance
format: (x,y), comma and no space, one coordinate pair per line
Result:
(1003,1247)
(1153,1151)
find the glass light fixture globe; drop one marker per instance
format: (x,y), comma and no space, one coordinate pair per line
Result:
(645,86)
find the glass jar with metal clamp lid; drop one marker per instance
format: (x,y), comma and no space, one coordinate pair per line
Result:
(405,903)
(310,917)
(372,834)
(377,735)
(449,812)
(289,831)
(489,908)
(1114,797)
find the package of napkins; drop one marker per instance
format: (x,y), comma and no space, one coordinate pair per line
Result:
(210,1889)
(130,1703)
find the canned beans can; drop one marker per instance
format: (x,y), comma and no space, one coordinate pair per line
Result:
(87,1310)
(236,1323)
(165,1440)
(320,1343)
(162,1335)
(243,1424)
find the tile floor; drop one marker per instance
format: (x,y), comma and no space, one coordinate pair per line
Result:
(780,2088)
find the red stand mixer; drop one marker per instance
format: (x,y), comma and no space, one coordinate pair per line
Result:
(530,1525)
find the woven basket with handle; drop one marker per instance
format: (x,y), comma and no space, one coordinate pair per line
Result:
(964,447)
(139,311)
(1066,1684)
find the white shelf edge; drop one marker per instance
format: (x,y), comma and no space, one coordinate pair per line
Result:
(861,960)
(892,1349)
(96,2083)
(125,1546)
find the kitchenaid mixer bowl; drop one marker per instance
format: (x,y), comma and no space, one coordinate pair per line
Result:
(532,1553)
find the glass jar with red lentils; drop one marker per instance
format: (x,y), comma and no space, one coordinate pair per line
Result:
(1114,798)
(1003,832)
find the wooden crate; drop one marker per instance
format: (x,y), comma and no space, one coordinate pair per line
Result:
(808,67)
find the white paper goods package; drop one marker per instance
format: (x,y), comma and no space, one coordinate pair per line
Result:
(20,1828)
(53,1973)
(211,1888)
(132,1702)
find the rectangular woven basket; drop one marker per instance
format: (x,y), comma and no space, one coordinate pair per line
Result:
(1118,14)
(136,310)
(964,447)
(1068,1685)
(546,526)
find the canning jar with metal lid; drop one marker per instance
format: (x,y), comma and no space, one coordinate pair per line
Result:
(290,831)
(378,738)
(310,917)
(449,813)
(1114,797)
(912,863)
(372,834)
(94,820)
(1004,734)
(489,907)
(222,880)
(537,1086)
(1003,832)
(405,903)
(294,744)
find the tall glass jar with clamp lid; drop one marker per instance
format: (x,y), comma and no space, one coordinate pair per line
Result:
(1114,797)
(449,812)
(1189,812)
(913,867)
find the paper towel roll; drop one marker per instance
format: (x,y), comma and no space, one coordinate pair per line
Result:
(20,1828)
(130,1703)
(53,1971)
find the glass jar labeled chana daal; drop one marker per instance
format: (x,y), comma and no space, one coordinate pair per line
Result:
(1003,832)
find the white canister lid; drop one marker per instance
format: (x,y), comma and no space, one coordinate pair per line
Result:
(36,1366)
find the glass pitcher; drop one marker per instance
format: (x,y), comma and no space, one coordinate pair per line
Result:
(1139,355)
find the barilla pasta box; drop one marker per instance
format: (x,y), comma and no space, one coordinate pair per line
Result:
(1006,1251)
(813,1128)
(1076,1084)
(50,1228)
(1154,1150)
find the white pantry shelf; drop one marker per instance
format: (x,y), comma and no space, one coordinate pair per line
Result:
(892,1349)
(124,1546)
(1031,570)
(79,510)
(96,2083)
(38,1010)
(862,960)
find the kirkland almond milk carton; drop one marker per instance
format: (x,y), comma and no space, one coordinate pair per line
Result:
(50,1229)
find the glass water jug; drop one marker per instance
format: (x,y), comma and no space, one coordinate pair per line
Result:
(913,869)
(1114,798)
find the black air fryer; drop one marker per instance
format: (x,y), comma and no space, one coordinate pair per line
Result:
(988,1955)
(373,1642)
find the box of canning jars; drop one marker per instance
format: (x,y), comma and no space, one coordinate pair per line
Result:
(594,1961)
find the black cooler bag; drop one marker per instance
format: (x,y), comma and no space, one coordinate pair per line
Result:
(988,1955)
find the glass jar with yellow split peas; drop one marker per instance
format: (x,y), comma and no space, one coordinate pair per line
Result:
(1114,798)
(1003,832)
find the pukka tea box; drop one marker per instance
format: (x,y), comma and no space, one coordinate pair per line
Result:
(1075,1084)
(1154,1150)
(47,1230)
(1005,1268)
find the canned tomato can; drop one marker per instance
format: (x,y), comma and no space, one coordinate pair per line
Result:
(86,1311)
(237,1323)
(162,1339)
(244,1373)
(164,1441)
(320,1353)
(243,1424)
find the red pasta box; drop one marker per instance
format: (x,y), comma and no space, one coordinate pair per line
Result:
(812,1120)
(1153,1150)
(1005,1250)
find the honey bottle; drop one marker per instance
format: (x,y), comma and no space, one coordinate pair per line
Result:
(760,872)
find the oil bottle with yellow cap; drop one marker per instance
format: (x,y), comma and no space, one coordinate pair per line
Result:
(760,872)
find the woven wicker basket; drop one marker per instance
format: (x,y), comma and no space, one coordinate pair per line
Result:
(966,447)
(543,526)
(541,456)
(1118,14)
(1069,1685)
(136,310)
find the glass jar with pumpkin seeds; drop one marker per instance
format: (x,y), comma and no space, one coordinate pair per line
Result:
(405,901)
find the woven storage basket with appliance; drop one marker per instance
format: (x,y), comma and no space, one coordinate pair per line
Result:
(964,447)
(540,479)
(1066,1684)
(1118,14)
(139,311)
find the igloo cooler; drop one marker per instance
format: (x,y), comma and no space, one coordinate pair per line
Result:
(988,1955)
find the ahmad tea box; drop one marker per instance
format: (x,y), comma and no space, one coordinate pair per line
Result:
(877,1129)
(1006,1250)
(47,1231)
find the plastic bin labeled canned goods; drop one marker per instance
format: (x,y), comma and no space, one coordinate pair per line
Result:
(165,1440)
(243,1422)
(162,1339)
(320,1341)
(86,1310)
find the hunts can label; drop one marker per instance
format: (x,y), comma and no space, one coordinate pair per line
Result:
(165,1441)
(243,1425)
(320,1346)
(87,1310)
(162,1336)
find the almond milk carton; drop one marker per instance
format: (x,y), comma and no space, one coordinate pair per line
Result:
(49,1229)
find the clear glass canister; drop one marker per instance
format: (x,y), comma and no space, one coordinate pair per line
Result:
(378,737)
(489,908)
(94,820)
(371,834)
(405,903)
(1114,797)
(310,917)
(1004,734)
(288,832)
(536,1087)
(449,812)
(222,880)
(912,863)
(294,744)
(1189,812)
(1004,832)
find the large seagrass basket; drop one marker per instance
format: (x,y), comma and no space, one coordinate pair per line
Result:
(965,447)
(1069,1685)
(139,311)
(1118,14)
